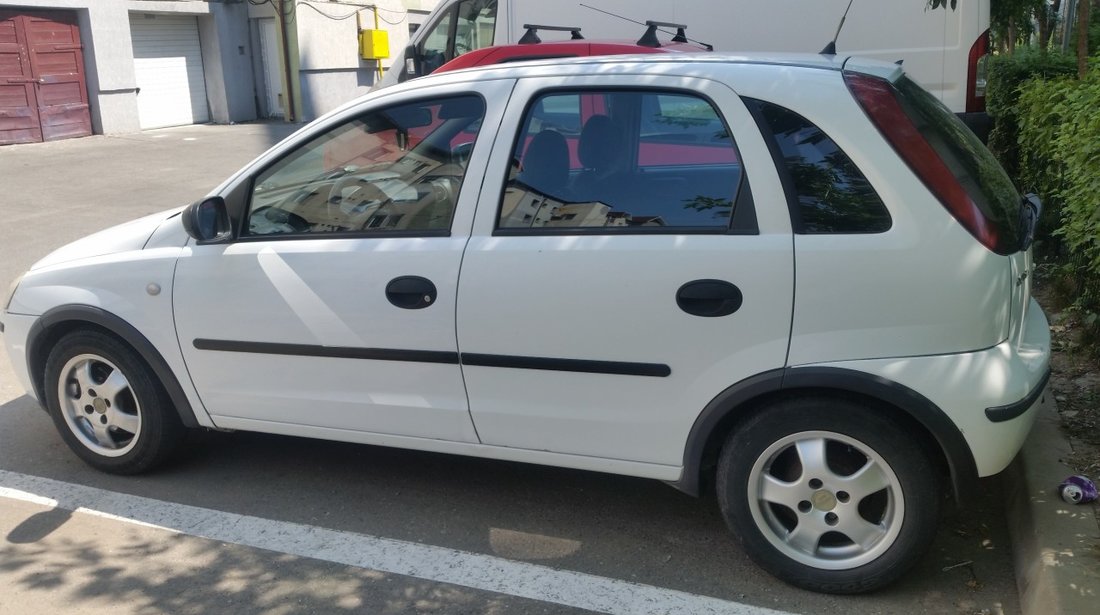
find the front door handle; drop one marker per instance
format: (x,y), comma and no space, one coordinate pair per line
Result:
(709,298)
(411,292)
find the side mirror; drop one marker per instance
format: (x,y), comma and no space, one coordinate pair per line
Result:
(207,221)
(412,63)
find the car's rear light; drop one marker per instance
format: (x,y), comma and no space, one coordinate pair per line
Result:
(879,100)
(975,74)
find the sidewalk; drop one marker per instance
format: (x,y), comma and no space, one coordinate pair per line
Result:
(1056,546)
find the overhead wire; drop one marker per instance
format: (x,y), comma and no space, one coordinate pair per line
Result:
(359,8)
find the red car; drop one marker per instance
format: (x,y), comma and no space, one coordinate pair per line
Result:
(531,47)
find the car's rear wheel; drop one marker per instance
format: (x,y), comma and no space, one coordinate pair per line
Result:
(108,405)
(829,495)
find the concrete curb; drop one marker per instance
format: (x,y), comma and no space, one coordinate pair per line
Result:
(1056,546)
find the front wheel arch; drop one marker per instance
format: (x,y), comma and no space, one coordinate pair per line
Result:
(743,400)
(62,320)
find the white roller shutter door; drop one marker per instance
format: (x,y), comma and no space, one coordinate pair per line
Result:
(168,69)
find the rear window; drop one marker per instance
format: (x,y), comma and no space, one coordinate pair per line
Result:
(975,168)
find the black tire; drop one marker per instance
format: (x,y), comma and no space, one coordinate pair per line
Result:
(798,541)
(130,425)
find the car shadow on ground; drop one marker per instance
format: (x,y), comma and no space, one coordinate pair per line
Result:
(615,526)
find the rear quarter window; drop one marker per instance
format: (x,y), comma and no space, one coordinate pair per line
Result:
(830,193)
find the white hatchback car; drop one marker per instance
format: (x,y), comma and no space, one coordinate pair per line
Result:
(798,280)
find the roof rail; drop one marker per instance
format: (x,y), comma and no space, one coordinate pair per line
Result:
(531,37)
(649,39)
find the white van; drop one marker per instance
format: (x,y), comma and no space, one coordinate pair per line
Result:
(942,49)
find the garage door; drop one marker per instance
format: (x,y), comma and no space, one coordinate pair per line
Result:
(42,93)
(168,68)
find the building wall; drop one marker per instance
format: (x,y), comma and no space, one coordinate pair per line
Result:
(109,56)
(331,71)
(227,57)
(325,58)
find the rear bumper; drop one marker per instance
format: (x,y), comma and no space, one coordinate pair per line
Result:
(1008,379)
(1007,412)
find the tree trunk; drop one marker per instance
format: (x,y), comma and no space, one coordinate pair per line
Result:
(1083,37)
(1042,16)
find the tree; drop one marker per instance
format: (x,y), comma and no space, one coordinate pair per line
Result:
(1082,37)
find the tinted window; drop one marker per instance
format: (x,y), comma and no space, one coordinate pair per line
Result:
(397,169)
(622,160)
(833,195)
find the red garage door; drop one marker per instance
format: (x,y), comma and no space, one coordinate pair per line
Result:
(42,91)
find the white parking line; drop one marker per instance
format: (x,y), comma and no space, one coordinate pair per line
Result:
(439,564)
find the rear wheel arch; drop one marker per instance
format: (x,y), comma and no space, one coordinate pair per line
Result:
(62,320)
(738,403)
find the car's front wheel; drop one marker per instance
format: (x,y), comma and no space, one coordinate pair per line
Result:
(108,405)
(829,495)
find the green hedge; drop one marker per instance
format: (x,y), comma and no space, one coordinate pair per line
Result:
(1005,75)
(1059,159)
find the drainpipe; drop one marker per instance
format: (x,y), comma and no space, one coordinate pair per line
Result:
(291,112)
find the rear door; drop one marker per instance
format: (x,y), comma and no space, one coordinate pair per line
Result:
(620,275)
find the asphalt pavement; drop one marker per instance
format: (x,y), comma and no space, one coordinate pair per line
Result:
(249,523)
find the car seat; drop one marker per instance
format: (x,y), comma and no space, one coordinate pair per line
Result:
(601,153)
(545,167)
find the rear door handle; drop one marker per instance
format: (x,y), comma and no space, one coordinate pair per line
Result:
(709,298)
(411,292)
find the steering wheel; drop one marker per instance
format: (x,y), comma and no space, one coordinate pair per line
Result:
(363,190)
(272,219)
(460,154)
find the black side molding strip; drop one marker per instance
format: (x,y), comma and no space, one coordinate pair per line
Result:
(335,352)
(621,368)
(1000,414)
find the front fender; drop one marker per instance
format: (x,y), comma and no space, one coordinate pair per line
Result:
(60,320)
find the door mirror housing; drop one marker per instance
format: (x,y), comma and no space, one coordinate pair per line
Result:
(412,63)
(207,221)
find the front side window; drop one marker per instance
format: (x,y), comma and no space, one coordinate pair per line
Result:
(438,46)
(622,159)
(396,169)
(833,195)
(476,25)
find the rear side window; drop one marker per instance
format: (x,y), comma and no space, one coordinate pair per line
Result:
(623,160)
(833,195)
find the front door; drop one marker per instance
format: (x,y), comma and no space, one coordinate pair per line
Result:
(42,91)
(335,307)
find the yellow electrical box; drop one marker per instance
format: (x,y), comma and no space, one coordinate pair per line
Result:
(374,44)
